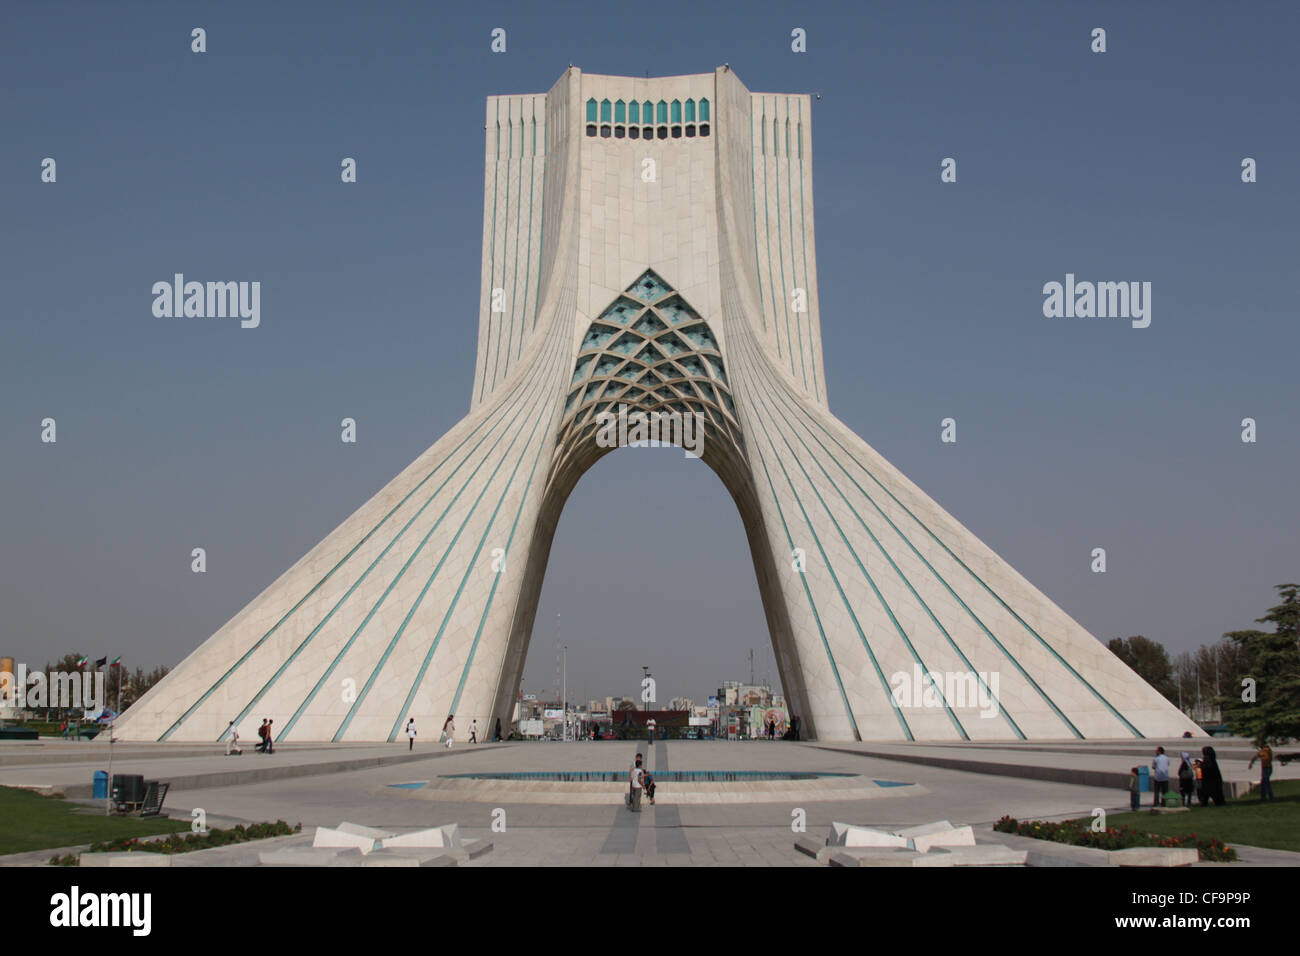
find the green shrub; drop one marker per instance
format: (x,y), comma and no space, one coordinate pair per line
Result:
(185,843)
(1075,833)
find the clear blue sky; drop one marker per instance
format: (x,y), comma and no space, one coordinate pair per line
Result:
(1072,434)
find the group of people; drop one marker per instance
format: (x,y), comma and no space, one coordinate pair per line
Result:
(1200,777)
(449,731)
(641,782)
(266,743)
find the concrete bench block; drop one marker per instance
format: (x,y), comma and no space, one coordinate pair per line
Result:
(357,829)
(408,856)
(445,836)
(982,855)
(1047,853)
(845,834)
(924,829)
(126,859)
(956,837)
(872,856)
(1154,856)
(310,856)
(329,837)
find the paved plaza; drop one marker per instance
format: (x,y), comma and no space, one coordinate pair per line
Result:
(387,786)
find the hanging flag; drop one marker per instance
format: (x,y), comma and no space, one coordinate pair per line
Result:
(117,662)
(101,662)
(81,662)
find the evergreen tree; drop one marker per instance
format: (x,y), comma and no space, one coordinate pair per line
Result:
(1267,708)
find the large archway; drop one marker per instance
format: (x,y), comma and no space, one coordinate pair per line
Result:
(673,274)
(649,353)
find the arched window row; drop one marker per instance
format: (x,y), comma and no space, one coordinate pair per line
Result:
(643,119)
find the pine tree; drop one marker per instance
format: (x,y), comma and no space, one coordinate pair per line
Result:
(1268,706)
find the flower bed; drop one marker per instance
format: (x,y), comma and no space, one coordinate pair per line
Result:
(186,843)
(1076,833)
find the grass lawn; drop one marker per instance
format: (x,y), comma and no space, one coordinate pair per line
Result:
(1274,825)
(29,821)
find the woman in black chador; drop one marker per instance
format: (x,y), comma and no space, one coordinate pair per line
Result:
(1211,778)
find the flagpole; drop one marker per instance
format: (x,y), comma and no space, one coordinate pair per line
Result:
(108,784)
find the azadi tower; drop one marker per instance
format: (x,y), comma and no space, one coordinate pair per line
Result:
(650,243)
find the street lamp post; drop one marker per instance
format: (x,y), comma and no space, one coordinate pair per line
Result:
(564,690)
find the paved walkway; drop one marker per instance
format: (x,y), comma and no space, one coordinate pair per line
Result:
(356,783)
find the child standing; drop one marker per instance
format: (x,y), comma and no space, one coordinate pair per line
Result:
(1134,796)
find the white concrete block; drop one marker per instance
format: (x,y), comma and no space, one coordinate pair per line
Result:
(956,837)
(846,834)
(357,829)
(1154,856)
(939,826)
(408,856)
(309,856)
(988,854)
(873,856)
(132,859)
(445,836)
(329,837)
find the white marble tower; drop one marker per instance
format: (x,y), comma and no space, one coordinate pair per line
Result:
(650,243)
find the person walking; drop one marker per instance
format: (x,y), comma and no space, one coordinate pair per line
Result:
(637,785)
(410,733)
(1160,777)
(270,740)
(232,741)
(261,737)
(650,726)
(1211,778)
(449,730)
(1186,779)
(473,731)
(496,734)
(1265,757)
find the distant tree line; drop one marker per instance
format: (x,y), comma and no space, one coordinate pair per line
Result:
(1251,678)
(133,685)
